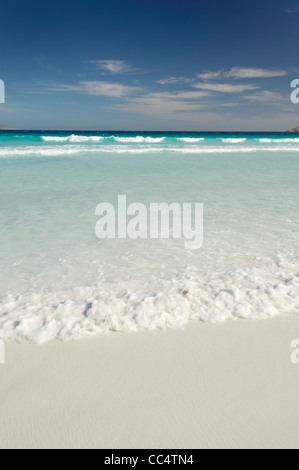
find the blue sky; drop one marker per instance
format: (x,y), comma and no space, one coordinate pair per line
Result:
(149,64)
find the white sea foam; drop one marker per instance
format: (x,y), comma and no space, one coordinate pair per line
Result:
(279,141)
(68,150)
(73,138)
(55,139)
(233,141)
(84,311)
(231,149)
(40,151)
(139,140)
(190,140)
(79,138)
(82,139)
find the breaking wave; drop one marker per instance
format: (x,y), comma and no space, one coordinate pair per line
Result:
(279,141)
(65,150)
(190,140)
(73,138)
(139,140)
(251,293)
(233,141)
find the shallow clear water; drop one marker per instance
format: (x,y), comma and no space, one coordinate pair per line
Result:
(58,280)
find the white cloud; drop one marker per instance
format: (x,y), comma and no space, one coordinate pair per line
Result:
(227,105)
(115,90)
(112,66)
(181,95)
(234,73)
(95,88)
(174,80)
(172,105)
(225,87)
(212,75)
(241,72)
(267,97)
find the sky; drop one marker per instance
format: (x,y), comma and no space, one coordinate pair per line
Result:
(198,65)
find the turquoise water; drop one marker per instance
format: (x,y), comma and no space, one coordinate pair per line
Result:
(58,280)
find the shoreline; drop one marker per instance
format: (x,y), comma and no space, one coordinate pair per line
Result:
(226,385)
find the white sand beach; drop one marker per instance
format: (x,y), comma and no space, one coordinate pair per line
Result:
(229,385)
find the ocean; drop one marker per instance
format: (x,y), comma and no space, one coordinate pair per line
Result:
(59,280)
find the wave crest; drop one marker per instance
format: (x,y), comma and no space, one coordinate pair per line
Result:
(73,138)
(279,141)
(190,140)
(234,141)
(139,140)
